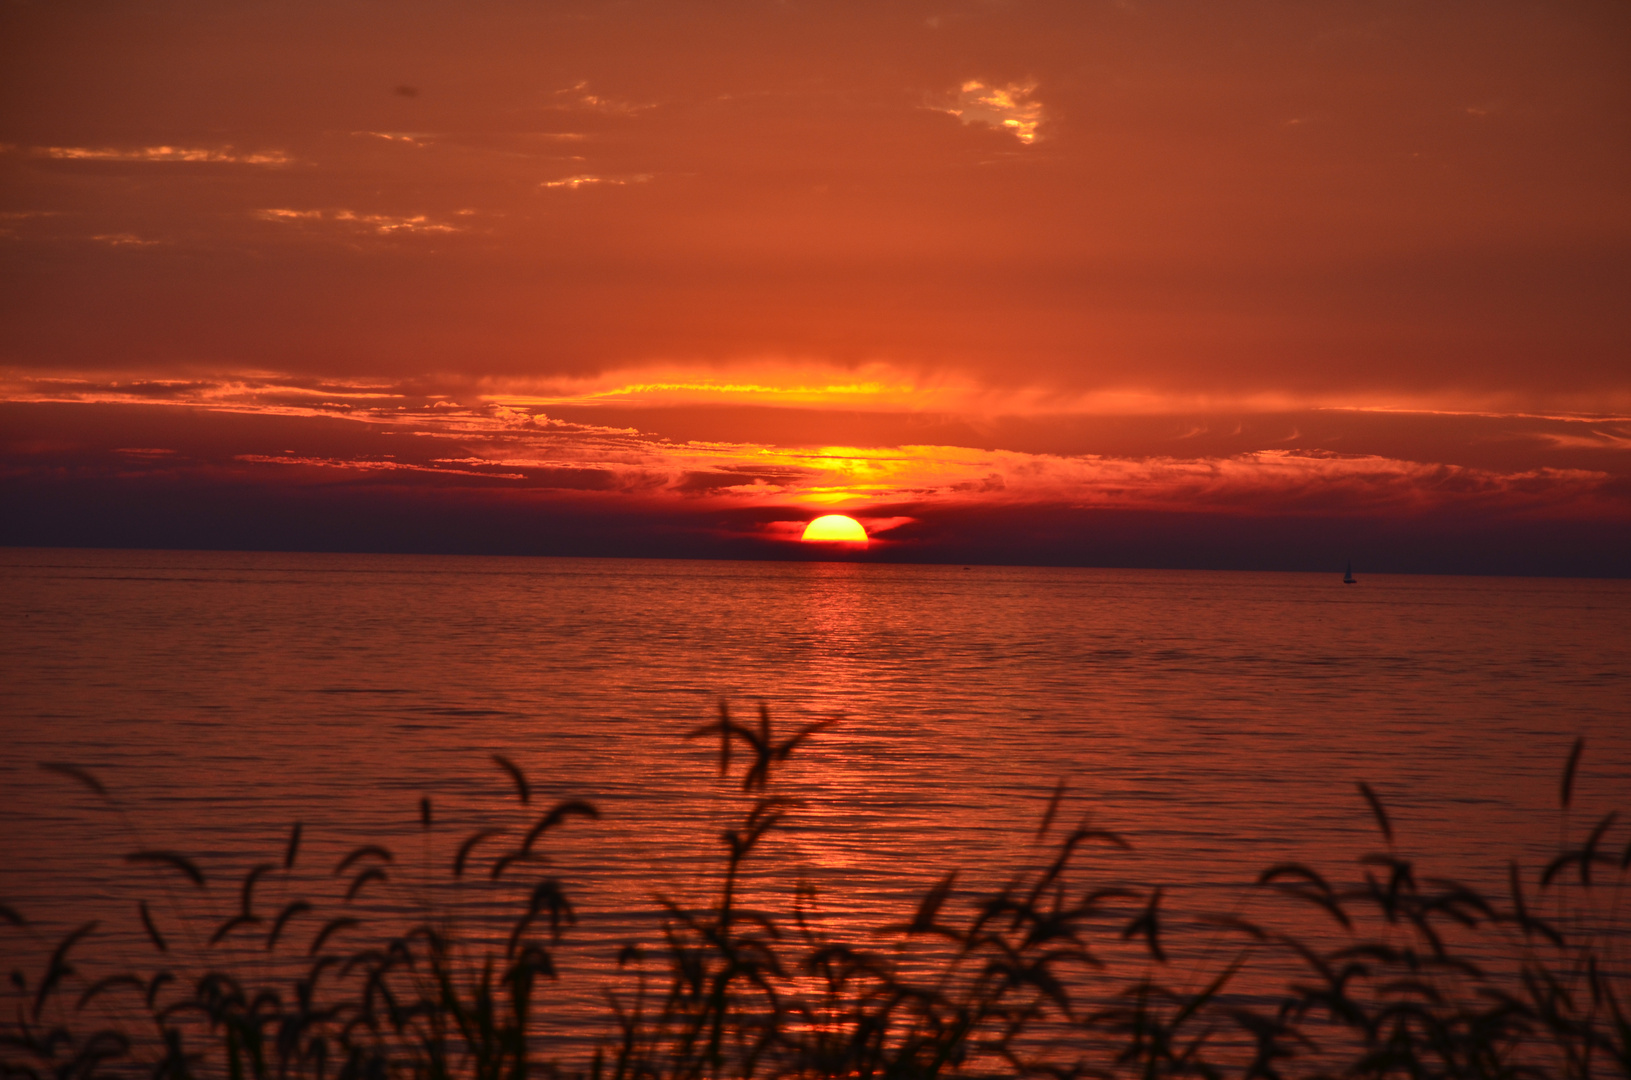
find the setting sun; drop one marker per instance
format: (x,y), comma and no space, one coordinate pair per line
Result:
(835,527)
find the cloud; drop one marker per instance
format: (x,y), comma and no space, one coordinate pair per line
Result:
(124,240)
(870,385)
(654,442)
(585,180)
(888,386)
(875,389)
(224,154)
(578,97)
(382,224)
(366,465)
(1007,108)
(412,138)
(452,436)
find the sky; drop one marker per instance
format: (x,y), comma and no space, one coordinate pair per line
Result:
(1260,285)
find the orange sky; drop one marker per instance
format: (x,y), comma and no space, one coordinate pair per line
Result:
(1038,273)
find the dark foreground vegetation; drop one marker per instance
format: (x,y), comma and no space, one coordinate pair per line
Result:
(1393,973)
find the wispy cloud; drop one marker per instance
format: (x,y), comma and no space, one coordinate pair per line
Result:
(1007,108)
(871,480)
(366,465)
(220,154)
(579,96)
(874,387)
(586,180)
(530,445)
(124,240)
(382,224)
(882,385)
(410,138)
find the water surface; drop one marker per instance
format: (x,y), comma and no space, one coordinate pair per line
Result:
(1219,720)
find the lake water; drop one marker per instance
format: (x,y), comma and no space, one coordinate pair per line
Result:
(1220,721)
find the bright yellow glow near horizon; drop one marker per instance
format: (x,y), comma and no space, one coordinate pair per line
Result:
(835,528)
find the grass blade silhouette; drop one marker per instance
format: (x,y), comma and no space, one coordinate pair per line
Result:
(153,934)
(1053,808)
(367,851)
(557,814)
(1569,770)
(77,774)
(1376,809)
(172,859)
(292,848)
(522,788)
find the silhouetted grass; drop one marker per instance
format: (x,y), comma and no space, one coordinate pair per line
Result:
(1398,974)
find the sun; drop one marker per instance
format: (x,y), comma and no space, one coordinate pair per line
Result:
(835,528)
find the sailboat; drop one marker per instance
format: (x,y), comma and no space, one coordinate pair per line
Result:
(1348,576)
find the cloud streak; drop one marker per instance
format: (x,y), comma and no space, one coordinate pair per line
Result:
(352,220)
(539,448)
(165,153)
(573,183)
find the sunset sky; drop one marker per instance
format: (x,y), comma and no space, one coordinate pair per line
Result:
(1263,285)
